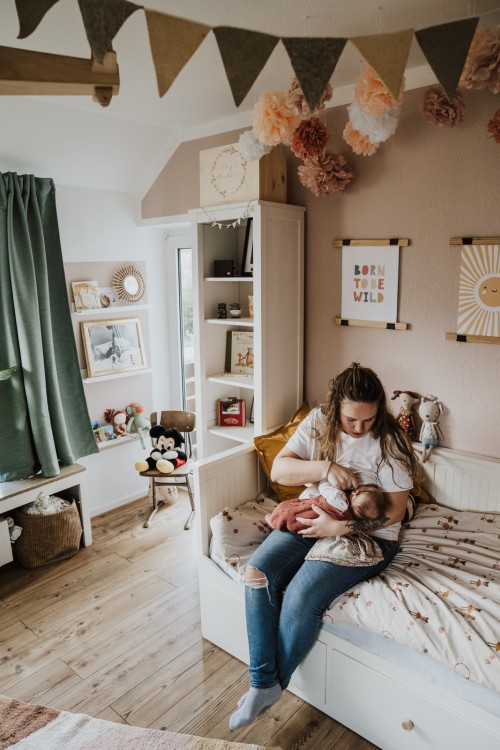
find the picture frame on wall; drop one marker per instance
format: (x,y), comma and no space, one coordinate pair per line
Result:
(239,352)
(113,346)
(86,295)
(247,259)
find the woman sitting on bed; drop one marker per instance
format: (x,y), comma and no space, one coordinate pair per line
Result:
(285,594)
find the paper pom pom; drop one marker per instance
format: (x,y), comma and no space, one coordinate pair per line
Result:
(250,148)
(377,128)
(324,174)
(296,102)
(439,110)
(372,94)
(494,126)
(360,144)
(309,139)
(273,120)
(482,67)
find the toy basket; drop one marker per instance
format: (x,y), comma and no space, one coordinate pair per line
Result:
(47,538)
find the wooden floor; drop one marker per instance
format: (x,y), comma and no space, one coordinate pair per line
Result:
(114,632)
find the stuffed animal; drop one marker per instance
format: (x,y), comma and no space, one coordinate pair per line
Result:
(138,422)
(406,419)
(166,454)
(430,408)
(118,419)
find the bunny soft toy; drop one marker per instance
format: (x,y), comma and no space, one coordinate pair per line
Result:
(429,410)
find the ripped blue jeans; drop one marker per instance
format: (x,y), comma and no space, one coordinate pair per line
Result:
(285,598)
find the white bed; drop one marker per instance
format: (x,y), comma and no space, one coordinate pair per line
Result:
(395,697)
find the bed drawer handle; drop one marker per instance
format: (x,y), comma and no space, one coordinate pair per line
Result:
(407,725)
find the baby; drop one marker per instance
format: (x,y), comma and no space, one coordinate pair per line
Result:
(364,505)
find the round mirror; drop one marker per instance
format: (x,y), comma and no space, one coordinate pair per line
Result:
(129,284)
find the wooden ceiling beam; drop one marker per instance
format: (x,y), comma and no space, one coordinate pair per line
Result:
(27,73)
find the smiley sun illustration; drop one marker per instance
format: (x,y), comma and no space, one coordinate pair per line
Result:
(479,296)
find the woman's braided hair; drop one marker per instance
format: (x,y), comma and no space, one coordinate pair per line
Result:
(360,384)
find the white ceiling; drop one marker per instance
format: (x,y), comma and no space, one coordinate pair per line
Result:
(125,146)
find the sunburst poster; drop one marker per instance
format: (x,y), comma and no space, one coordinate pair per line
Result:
(479,294)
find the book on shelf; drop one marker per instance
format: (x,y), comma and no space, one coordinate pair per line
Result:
(239,352)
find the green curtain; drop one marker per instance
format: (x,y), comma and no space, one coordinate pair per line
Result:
(44,420)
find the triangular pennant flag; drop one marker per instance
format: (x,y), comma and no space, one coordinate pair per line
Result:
(446,47)
(102,21)
(313,61)
(173,42)
(388,55)
(244,54)
(30,13)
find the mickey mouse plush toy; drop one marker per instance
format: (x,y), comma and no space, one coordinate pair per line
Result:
(167,454)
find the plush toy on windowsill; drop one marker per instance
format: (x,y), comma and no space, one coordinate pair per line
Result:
(406,418)
(167,455)
(430,408)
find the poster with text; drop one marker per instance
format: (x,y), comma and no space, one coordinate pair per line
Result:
(479,293)
(370,282)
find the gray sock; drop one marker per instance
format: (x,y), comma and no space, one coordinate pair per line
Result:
(255,702)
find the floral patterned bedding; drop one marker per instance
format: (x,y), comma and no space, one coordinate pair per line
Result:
(441,593)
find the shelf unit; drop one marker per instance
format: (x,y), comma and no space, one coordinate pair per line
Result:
(276,388)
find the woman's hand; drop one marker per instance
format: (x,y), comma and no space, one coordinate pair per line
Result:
(341,477)
(323,525)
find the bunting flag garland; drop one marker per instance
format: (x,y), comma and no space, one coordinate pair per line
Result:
(388,55)
(173,42)
(30,14)
(313,61)
(244,54)
(446,47)
(103,21)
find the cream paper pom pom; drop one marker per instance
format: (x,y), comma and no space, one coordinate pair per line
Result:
(378,128)
(250,147)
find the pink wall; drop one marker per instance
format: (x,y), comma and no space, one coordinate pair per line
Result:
(427,184)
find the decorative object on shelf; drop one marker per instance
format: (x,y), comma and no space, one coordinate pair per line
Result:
(227,177)
(405,417)
(118,418)
(137,421)
(223,268)
(370,271)
(250,306)
(104,433)
(221,311)
(86,294)
(247,259)
(430,434)
(239,352)
(108,296)
(234,310)
(167,454)
(231,412)
(113,346)
(129,285)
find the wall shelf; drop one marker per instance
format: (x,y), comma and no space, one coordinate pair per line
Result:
(117,309)
(231,379)
(123,440)
(102,378)
(238,434)
(247,322)
(244,279)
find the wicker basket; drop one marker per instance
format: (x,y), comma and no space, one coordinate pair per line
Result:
(47,538)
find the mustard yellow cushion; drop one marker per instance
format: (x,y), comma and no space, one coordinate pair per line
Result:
(268,446)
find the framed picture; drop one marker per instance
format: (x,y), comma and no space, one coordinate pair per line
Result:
(247,260)
(370,276)
(478,297)
(86,294)
(239,352)
(113,346)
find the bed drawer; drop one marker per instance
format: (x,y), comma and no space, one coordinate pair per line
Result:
(396,717)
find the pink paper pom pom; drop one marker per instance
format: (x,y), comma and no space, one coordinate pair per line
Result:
(372,95)
(482,66)
(309,139)
(273,121)
(296,102)
(360,144)
(439,110)
(324,174)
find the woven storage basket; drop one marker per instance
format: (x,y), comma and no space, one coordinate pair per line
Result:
(47,538)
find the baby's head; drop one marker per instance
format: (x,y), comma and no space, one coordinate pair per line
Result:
(368,502)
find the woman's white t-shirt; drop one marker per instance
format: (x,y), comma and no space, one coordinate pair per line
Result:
(361,455)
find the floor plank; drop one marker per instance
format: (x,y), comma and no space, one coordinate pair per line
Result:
(115,632)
